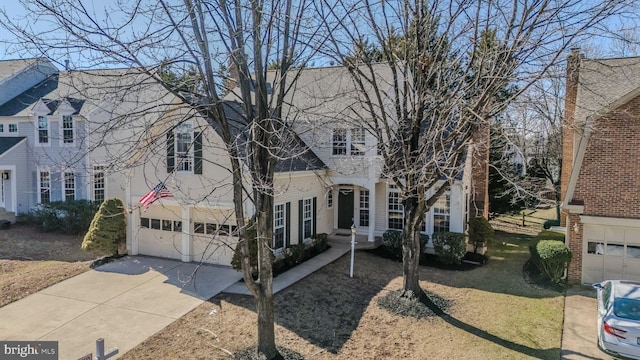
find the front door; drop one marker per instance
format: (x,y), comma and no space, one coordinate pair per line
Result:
(345,208)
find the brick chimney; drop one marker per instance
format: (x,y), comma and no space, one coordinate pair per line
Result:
(573,75)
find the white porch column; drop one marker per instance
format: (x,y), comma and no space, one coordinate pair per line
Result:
(186,235)
(372,211)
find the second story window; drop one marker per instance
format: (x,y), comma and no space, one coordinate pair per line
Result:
(184,150)
(67,129)
(357,141)
(348,142)
(43,130)
(184,147)
(339,142)
(13,128)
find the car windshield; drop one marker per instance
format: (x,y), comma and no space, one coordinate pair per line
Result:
(627,308)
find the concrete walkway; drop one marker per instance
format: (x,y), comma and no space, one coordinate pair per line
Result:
(124,302)
(284,280)
(580,329)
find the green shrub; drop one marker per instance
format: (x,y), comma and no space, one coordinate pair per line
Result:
(68,217)
(392,243)
(549,223)
(450,247)
(319,243)
(550,235)
(552,258)
(250,235)
(108,230)
(480,232)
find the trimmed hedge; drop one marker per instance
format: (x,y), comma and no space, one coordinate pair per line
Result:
(550,235)
(290,257)
(551,257)
(67,217)
(392,243)
(450,247)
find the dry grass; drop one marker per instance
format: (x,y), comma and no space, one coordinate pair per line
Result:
(31,261)
(493,314)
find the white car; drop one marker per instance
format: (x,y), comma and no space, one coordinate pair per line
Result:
(619,318)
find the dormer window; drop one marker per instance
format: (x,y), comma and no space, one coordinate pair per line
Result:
(43,130)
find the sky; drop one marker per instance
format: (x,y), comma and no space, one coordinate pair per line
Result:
(13,8)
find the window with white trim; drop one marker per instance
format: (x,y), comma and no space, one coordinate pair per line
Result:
(442,213)
(307,218)
(43,130)
(13,128)
(395,209)
(184,147)
(357,141)
(44,180)
(330,199)
(278,227)
(339,142)
(348,142)
(364,207)
(69,182)
(67,130)
(1,127)
(98,183)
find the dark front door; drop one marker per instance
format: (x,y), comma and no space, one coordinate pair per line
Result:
(345,209)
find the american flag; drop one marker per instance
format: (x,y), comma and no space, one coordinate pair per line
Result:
(158,192)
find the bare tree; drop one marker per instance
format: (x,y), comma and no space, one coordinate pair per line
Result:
(533,125)
(197,51)
(436,77)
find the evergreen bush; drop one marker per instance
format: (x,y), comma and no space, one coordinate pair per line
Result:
(68,217)
(450,247)
(108,230)
(480,232)
(392,243)
(552,258)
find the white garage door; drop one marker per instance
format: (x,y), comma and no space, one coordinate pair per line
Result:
(610,252)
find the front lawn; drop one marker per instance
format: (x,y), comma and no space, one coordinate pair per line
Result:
(492,313)
(31,260)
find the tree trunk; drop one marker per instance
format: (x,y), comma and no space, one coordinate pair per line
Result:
(264,302)
(410,251)
(266,330)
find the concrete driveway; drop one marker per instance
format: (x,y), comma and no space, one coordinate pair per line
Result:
(580,328)
(124,302)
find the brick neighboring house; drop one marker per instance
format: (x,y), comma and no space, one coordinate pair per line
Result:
(601,170)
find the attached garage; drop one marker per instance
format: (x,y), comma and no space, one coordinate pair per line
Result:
(199,235)
(611,249)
